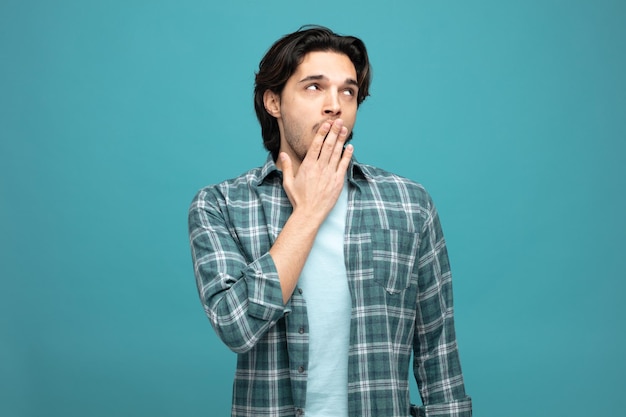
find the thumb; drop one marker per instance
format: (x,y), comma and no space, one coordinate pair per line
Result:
(285,164)
(287,167)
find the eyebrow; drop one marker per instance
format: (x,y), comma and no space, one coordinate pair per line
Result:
(349,81)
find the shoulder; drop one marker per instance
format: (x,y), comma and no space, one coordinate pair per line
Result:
(390,186)
(229,191)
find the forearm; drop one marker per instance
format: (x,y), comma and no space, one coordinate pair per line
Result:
(291,249)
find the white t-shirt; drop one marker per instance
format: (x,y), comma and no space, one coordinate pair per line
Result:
(324,285)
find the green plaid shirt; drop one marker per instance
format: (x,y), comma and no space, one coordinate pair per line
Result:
(399,278)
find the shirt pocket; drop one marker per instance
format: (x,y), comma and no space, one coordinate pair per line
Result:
(393,256)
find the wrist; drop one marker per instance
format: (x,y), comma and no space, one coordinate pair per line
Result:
(306,220)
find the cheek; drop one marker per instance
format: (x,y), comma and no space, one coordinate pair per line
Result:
(349,117)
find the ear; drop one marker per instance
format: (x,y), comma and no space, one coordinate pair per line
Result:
(271,101)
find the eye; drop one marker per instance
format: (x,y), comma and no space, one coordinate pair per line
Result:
(349,92)
(313,87)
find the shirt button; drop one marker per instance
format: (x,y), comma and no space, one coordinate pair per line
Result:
(301,369)
(299,290)
(299,412)
(301,330)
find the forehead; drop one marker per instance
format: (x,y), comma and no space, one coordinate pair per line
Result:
(328,63)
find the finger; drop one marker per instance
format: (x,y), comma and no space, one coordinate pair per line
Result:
(318,141)
(331,140)
(338,149)
(344,162)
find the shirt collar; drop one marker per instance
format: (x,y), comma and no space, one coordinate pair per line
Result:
(268,169)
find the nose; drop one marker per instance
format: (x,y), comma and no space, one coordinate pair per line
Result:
(332,105)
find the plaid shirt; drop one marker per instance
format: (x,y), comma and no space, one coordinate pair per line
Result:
(399,279)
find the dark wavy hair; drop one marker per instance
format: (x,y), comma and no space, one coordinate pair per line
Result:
(282,60)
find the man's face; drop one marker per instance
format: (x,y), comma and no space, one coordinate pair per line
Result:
(323,87)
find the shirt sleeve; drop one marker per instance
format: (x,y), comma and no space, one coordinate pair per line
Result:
(243,300)
(436,364)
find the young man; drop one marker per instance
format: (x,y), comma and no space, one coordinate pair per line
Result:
(324,274)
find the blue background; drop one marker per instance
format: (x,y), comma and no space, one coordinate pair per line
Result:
(114,113)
